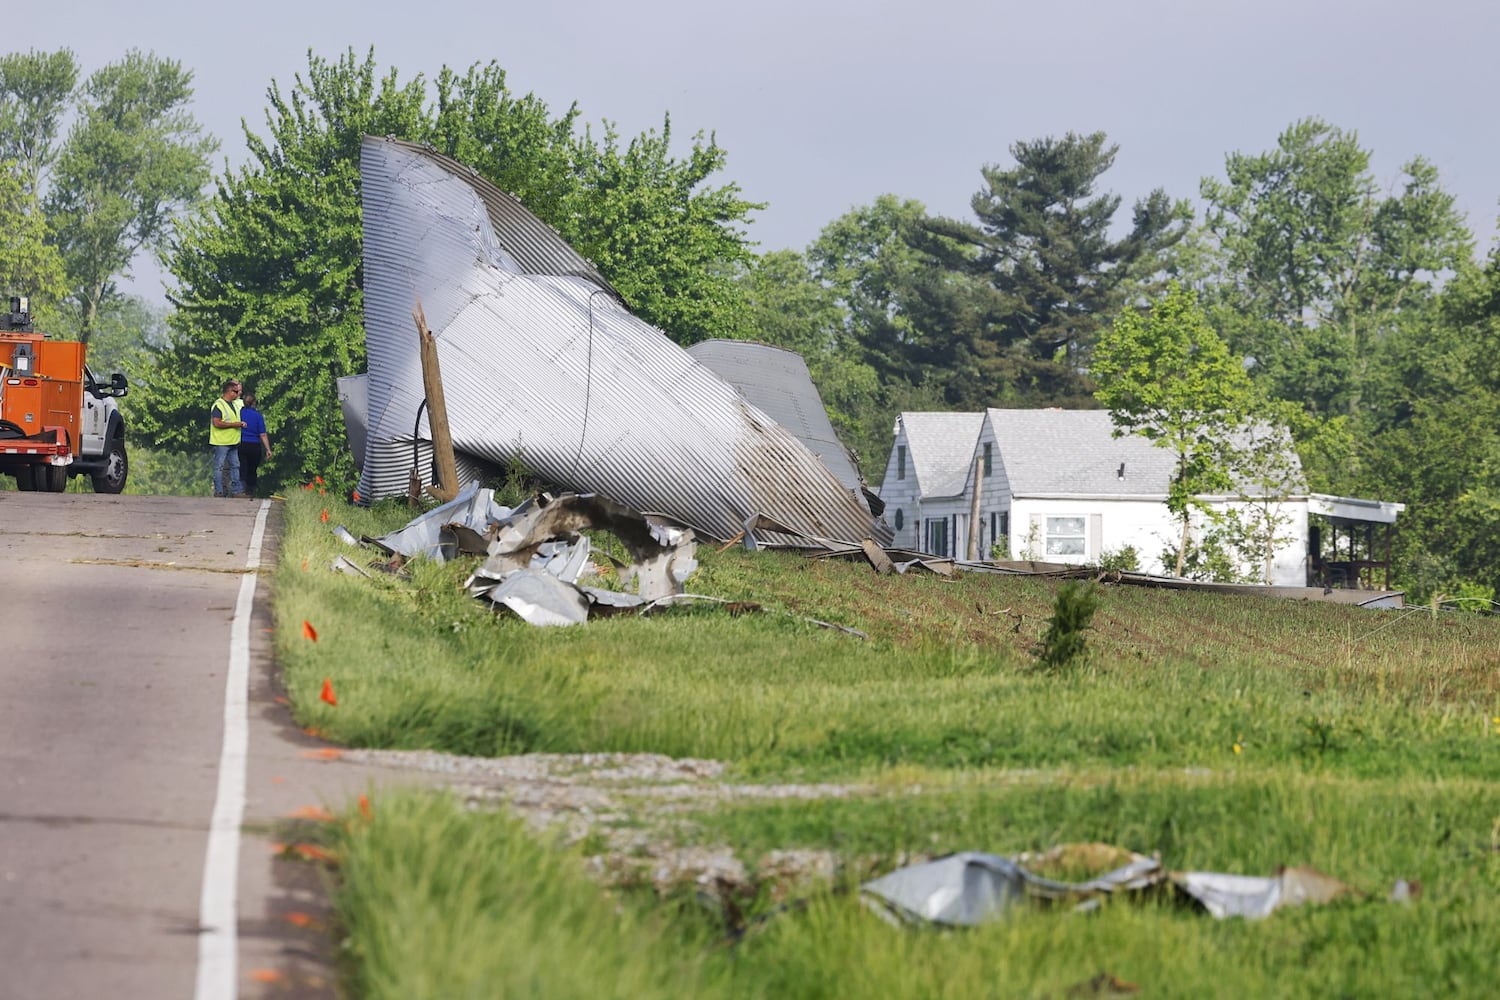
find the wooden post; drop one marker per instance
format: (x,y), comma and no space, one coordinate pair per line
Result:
(974,555)
(437,412)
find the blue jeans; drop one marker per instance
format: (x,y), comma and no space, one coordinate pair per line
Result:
(227,454)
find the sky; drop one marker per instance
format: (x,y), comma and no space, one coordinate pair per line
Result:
(823,105)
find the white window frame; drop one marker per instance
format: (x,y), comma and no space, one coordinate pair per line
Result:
(1061,540)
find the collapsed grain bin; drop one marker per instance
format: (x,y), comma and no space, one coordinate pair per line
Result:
(543,364)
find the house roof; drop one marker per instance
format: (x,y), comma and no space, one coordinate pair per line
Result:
(1053,452)
(940,446)
(1075,452)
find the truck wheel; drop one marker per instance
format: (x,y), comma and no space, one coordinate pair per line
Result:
(116,467)
(26,478)
(52,478)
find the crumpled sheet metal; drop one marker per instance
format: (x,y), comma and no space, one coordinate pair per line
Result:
(536,558)
(443,531)
(662,556)
(1256,898)
(972,888)
(550,368)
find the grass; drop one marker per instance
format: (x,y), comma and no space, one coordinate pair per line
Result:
(1229,733)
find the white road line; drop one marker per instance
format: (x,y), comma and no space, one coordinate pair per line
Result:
(218,937)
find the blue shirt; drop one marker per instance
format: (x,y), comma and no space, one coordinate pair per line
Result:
(255,425)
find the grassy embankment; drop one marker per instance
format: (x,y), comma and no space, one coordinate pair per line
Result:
(1229,734)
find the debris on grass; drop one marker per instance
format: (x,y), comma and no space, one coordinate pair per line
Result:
(537,556)
(972,887)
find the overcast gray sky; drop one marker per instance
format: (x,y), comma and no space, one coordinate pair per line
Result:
(825,104)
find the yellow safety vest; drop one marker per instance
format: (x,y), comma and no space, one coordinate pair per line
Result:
(224,435)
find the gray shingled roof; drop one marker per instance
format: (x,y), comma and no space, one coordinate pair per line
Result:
(1051,452)
(1048,452)
(940,448)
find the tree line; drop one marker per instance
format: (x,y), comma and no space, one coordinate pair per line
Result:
(1359,314)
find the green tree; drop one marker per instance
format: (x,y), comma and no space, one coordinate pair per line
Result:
(133,161)
(1052,276)
(36,90)
(865,259)
(1170,378)
(1319,265)
(669,244)
(1433,425)
(29,264)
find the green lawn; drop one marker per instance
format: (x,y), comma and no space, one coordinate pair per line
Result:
(1229,734)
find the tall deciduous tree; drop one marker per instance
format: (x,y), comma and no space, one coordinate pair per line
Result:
(668,243)
(134,160)
(1170,378)
(36,90)
(1053,276)
(1433,423)
(865,259)
(1319,264)
(29,264)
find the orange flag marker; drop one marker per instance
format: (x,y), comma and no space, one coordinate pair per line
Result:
(324,516)
(364,808)
(308,632)
(327,693)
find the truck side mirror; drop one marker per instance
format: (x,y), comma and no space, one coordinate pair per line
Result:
(117,385)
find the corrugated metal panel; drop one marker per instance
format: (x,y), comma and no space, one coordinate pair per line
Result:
(777,380)
(552,369)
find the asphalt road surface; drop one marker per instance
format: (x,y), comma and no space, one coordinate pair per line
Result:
(139,821)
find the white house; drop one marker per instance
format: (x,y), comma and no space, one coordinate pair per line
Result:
(1057,486)
(926,479)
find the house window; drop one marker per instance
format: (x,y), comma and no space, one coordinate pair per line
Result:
(900,461)
(899,519)
(1004,524)
(988,464)
(937,536)
(1065,536)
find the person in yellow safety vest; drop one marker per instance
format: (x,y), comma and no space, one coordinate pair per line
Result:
(224,436)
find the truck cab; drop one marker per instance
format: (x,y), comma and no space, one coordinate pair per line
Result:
(57,418)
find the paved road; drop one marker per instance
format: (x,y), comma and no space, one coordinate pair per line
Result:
(117,646)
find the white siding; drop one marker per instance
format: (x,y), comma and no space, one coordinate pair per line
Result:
(900,494)
(1147,526)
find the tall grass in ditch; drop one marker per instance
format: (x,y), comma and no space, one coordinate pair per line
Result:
(445,903)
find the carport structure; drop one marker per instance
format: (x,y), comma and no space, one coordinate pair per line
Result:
(1357,551)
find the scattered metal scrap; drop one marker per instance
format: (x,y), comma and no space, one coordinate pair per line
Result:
(536,557)
(972,887)
(543,364)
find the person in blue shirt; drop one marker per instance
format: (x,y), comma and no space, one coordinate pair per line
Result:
(255,444)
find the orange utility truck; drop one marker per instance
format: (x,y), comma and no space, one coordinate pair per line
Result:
(56,419)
